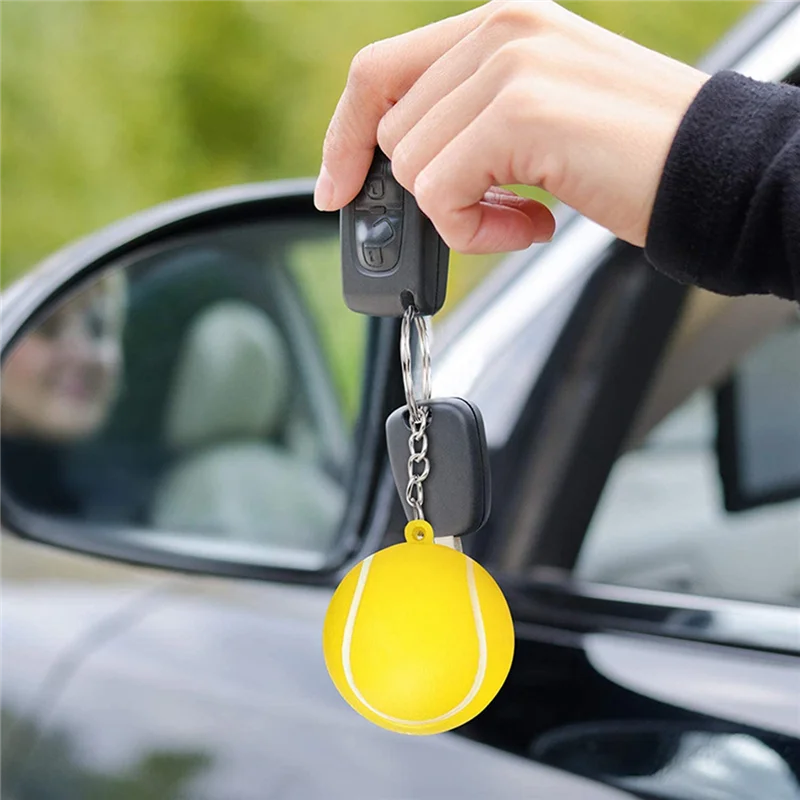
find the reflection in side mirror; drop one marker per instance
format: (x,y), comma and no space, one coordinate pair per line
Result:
(63,377)
(758,441)
(184,401)
(229,415)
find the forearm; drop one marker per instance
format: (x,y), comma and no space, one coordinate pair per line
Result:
(727,210)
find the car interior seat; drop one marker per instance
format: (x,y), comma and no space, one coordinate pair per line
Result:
(231,394)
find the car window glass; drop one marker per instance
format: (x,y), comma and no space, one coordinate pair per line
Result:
(662,523)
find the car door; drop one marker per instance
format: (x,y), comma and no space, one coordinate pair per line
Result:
(658,619)
(687,602)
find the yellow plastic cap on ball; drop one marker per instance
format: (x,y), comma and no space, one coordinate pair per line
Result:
(418,637)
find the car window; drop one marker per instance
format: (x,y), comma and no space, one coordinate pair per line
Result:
(662,521)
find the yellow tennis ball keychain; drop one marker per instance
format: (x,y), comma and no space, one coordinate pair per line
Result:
(418,637)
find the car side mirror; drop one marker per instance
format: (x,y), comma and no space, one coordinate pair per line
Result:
(187,389)
(758,436)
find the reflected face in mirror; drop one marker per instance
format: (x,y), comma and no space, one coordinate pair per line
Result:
(60,381)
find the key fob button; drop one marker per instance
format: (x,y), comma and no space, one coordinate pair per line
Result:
(373,256)
(375,188)
(378,243)
(380,233)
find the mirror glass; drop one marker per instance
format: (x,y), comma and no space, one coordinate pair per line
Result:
(760,424)
(198,397)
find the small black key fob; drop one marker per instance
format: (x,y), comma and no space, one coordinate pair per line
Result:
(392,256)
(457,492)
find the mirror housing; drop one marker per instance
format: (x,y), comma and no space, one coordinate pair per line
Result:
(62,278)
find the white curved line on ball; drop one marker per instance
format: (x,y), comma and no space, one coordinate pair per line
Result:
(479,629)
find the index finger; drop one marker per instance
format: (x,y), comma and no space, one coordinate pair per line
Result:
(379,76)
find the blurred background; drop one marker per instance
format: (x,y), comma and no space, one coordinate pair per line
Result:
(108,108)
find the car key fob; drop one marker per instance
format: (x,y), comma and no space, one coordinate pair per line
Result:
(392,256)
(458,489)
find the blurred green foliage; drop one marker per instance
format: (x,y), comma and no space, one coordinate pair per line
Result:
(108,108)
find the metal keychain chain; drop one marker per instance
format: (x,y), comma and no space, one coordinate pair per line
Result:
(419,465)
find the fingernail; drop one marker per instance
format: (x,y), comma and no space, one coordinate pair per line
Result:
(323,191)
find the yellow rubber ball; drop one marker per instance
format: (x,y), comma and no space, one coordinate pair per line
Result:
(418,637)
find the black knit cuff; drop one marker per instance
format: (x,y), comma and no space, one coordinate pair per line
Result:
(704,203)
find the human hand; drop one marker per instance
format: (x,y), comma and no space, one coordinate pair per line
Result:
(510,93)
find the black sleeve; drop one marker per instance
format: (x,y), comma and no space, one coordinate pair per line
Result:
(727,209)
